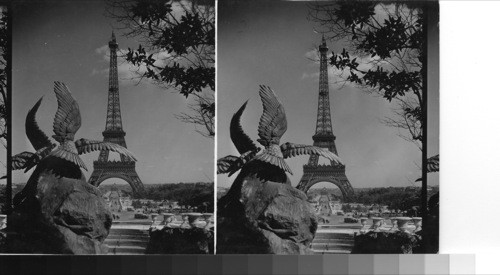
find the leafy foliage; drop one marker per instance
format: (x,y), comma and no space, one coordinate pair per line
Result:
(384,53)
(4,42)
(177,49)
(5,200)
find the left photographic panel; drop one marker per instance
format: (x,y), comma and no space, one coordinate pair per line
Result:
(112,127)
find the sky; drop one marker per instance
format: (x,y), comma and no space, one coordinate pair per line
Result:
(67,41)
(262,43)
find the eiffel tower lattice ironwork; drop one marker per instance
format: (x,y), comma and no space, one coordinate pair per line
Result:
(125,167)
(324,137)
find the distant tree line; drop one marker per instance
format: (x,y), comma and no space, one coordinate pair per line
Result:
(195,195)
(403,198)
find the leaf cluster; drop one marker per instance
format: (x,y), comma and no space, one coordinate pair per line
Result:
(380,40)
(187,36)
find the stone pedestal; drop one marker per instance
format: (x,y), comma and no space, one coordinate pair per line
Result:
(377,223)
(403,224)
(185,221)
(418,224)
(3,221)
(208,219)
(363,229)
(394,222)
(167,219)
(193,219)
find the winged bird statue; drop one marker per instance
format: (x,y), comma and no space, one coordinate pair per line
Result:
(272,126)
(66,123)
(245,146)
(40,141)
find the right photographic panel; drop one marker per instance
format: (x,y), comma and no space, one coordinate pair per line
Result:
(327,127)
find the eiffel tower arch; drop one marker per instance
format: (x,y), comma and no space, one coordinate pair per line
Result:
(324,138)
(326,173)
(124,168)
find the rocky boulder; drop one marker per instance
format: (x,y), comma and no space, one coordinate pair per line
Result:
(264,216)
(59,215)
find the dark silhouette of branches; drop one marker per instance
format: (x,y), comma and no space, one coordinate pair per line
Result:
(176,51)
(201,115)
(5,194)
(407,119)
(382,54)
(3,75)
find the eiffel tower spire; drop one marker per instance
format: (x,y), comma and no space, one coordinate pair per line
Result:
(114,117)
(324,138)
(125,168)
(324,120)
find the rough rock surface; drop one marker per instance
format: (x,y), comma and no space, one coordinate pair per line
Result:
(386,243)
(263,216)
(65,216)
(180,241)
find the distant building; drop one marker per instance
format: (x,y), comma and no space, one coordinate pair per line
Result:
(115,203)
(126,202)
(336,206)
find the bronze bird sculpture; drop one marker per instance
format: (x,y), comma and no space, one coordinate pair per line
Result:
(67,121)
(272,126)
(245,146)
(40,141)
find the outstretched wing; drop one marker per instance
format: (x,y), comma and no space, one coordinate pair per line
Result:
(36,136)
(291,150)
(272,124)
(65,152)
(242,142)
(67,120)
(85,146)
(19,161)
(223,164)
(432,165)
(38,156)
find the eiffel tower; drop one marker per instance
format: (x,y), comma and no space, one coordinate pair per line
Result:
(324,137)
(125,167)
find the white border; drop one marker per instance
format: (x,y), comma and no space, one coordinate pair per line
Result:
(470,131)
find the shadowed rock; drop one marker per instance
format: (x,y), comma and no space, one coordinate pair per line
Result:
(59,215)
(263,216)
